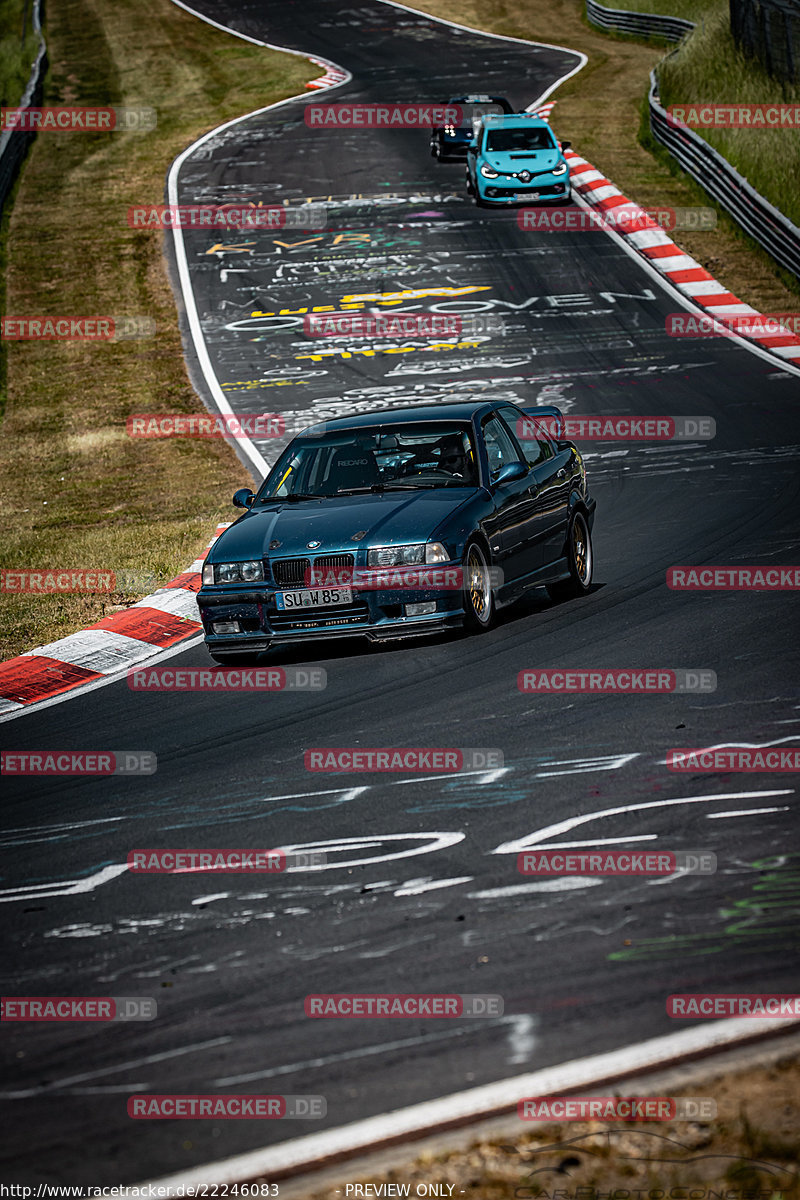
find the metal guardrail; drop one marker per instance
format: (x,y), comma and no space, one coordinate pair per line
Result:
(765,223)
(769,30)
(14,143)
(646,25)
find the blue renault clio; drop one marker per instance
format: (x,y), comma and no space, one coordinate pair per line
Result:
(516,159)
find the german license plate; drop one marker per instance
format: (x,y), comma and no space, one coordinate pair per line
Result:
(527,195)
(314,598)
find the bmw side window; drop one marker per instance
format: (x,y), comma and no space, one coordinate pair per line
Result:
(533,442)
(500,446)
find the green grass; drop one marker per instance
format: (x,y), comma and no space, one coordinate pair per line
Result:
(75,490)
(709,67)
(17,54)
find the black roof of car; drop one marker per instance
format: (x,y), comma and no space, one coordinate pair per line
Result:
(462,410)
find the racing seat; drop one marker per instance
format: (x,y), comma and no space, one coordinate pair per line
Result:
(351,467)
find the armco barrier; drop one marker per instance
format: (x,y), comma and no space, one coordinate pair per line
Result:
(773,231)
(14,143)
(646,25)
(769,227)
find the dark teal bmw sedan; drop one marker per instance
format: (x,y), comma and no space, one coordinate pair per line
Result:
(398,523)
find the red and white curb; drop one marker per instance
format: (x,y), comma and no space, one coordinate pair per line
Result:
(686,274)
(162,620)
(332,76)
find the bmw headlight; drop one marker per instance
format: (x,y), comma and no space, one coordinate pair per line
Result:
(406,556)
(560,169)
(489,172)
(234,572)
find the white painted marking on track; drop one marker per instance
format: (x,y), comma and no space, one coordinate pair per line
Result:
(415,887)
(441,841)
(531,842)
(132,1065)
(582,766)
(72,887)
(745,812)
(565,883)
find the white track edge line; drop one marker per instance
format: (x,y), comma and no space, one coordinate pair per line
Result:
(684,300)
(472,1105)
(187,291)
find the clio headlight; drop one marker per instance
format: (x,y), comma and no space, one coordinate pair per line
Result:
(489,172)
(560,169)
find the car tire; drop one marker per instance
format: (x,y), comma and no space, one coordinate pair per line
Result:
(580,557)
(470,188)
(480,202)
(479,602)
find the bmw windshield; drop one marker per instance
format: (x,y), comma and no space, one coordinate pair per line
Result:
(350,462)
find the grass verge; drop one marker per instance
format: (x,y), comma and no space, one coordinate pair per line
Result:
(76,491)
(709,67)
(19,46)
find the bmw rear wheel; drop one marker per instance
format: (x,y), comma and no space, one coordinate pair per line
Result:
(580,557)
(479,605)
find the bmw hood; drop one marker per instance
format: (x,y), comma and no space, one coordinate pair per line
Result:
(389,518)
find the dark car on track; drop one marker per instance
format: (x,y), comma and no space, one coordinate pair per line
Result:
(398,523)
(449,141)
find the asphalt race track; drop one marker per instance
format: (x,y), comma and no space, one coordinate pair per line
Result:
(421,891)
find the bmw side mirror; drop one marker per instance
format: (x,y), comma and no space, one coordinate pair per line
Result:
(243,498)
(510,471)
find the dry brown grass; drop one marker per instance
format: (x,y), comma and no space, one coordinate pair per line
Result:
(76,491)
